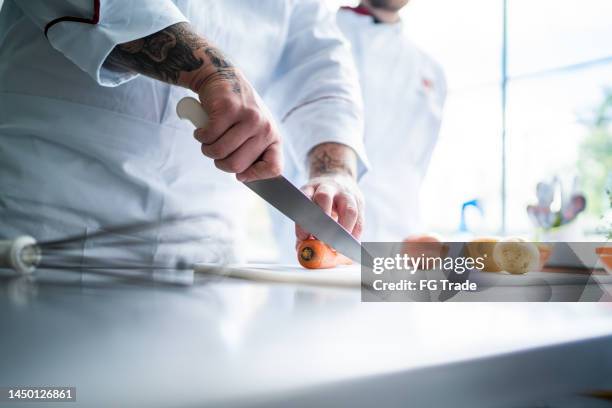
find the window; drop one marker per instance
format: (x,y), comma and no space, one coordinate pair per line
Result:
(559,73)
(465,38)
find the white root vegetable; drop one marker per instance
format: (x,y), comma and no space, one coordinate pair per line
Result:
(516,256)
(483,248)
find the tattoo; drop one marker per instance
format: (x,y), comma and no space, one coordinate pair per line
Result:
(163,55)
(217,59)
(332,158)
(167,53)
(225,69)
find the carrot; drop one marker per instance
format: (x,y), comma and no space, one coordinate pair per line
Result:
(315,254)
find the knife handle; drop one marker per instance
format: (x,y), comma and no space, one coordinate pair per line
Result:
(190,108)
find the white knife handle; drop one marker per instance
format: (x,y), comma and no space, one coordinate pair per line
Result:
(190,108)
(20,254)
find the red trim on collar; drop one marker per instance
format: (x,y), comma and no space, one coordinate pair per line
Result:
(364,11)
(94,20)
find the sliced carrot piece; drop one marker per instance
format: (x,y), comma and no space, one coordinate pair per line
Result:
(315,254)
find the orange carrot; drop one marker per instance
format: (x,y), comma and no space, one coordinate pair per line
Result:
(315,254)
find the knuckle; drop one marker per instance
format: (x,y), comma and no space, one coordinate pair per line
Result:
(252,115)
(266,129)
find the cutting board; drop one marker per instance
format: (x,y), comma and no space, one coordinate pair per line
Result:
(341,276)
(350,276)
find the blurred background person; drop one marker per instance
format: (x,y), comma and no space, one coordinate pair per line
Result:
(404,92)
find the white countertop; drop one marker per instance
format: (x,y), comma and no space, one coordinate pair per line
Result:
(240,343)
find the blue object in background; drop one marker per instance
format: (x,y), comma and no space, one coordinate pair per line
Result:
(476,203)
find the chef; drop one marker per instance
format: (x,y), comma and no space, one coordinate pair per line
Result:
(88,129)
(403,92)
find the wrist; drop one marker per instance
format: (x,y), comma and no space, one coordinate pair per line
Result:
(332,160)
(195,79)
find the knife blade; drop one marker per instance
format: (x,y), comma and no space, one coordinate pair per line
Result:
(294,204)
(286,198)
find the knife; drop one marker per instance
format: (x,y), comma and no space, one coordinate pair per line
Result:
(286,198)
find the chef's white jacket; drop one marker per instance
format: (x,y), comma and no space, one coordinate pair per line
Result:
(403,92)
(83,148)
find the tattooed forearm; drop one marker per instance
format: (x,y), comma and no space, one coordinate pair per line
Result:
(167,54)
(163,55)
(332,158)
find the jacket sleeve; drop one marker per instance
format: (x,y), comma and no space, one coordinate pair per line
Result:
(316,94)
(86,31)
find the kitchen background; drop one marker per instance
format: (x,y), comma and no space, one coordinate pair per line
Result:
(557,77)
(529,101)
(541,82)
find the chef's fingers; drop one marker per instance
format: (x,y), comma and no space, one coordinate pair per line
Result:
(268,165)
(249,152)
(243,157)
(308,190)
(300,233)
(358,228)
(347,209)
(227,144)
(223,113)
(324,197)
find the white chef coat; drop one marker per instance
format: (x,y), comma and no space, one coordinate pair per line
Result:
(83,148)
(403,92)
